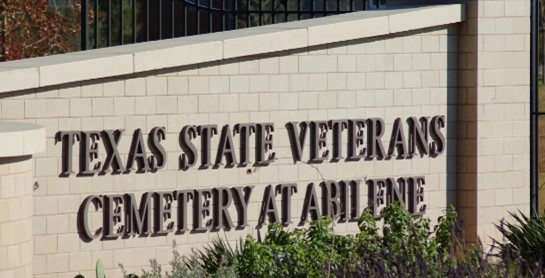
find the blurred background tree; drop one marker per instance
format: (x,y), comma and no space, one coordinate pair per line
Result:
(114,19)
(31,28)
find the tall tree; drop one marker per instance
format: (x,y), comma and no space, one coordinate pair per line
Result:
(30,28)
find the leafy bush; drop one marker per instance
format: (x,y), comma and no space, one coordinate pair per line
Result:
(525,240)
(215,256)
(403,246)
(180,268)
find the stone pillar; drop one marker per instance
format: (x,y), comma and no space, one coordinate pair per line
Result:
(17,144)
(493,113)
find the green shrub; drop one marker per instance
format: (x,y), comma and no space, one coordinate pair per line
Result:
(181,267)
(525,240)
(214,257)
(318,251)
(403,246)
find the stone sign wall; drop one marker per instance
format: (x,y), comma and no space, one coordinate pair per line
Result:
(218,135)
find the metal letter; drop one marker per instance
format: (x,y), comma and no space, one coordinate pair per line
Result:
(437,147)
(268,207)
(344,185)
(376,195)
(188,158)
(242,195)
(183,197)
(264,143)
(375,130)
(138,153)
(418,135)
(287,190)
(416,191)
(331,193)
(297,142)
(88,148)
(206,132)
(159,158)
(318,141)
(113,206)
(111,140)
(163,212)
(395,191)
(222,200)
(337,126)
(245,130)
(310,205)
(355,210)
(137,218)
(83,215)
(397,141)
(355,139)
(226,148)
(67,138)
(201,209)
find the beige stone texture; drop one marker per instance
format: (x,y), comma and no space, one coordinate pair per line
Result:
(16,238)
(353,79)
(422,63)
(493,97)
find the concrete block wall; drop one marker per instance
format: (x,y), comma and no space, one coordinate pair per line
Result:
(19,142)
(401,75)
(494,79)
(387,64)
(16,239)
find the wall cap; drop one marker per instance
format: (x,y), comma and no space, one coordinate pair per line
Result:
(20,139)
(141,57)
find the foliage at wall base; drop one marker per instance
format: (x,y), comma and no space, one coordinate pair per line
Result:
(403,246)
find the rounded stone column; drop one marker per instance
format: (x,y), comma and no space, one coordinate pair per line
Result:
(18,142)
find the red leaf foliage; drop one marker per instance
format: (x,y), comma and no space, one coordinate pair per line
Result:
(31,28)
